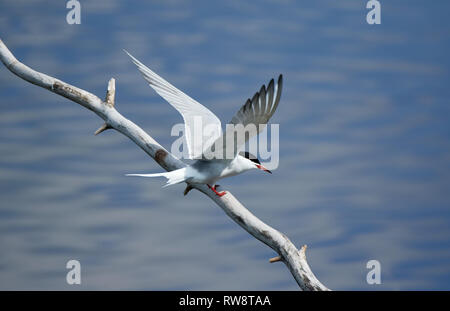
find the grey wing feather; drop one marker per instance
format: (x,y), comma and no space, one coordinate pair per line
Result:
(261,107)
(257,110)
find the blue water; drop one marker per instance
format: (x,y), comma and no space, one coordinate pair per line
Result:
(364,144)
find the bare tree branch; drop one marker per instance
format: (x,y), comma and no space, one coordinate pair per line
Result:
(294,259)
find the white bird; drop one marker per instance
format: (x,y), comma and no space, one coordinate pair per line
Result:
(210,167)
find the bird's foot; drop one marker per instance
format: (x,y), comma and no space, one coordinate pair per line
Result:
(222,193)
(188,188)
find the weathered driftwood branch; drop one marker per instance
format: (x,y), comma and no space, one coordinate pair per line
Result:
(294,259)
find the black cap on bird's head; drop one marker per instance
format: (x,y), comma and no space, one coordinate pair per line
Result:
(254,159)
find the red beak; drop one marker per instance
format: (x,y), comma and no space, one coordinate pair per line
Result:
(263,168)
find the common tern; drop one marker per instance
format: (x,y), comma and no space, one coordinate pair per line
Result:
(209,167)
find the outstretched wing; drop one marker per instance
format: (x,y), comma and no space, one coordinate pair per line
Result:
(201,125)
(248,122)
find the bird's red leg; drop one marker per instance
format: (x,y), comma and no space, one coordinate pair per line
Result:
(222,193)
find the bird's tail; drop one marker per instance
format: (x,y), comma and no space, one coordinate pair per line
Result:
(173,177)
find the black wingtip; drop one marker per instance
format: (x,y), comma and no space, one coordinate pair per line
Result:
(255,97)
(262,89)
(280,78)
(279,85)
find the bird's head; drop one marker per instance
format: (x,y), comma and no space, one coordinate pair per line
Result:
(252,161)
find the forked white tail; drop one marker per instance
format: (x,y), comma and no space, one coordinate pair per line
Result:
(173,177)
